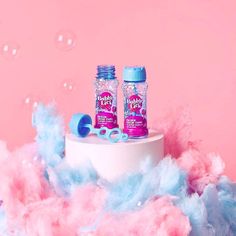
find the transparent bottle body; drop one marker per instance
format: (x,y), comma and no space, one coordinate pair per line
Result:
(135,109)
(106,103)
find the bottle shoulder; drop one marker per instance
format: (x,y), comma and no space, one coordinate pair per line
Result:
(114,82)
(130,85)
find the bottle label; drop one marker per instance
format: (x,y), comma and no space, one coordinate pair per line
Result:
(106,111)
(135,124)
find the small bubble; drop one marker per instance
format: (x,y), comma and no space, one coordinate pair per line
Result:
(10,50)
(35,104)
(65,85)
(27,100)
(31,102)
(65,40)
(68,86)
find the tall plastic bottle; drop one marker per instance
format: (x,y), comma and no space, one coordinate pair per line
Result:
(106,85)
(135,101)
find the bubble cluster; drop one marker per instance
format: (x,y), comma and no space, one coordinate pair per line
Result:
(65,40)
(10,50)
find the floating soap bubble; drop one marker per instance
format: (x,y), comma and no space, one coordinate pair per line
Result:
(65,40)
(30,102)
(35,104)
(68,86)
(10,50)
(27,100)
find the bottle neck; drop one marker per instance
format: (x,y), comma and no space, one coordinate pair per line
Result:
(106,72)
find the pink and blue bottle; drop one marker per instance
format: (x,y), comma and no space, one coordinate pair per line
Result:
(106,97)
(135,101)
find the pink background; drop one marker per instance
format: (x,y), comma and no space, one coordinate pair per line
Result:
(188,47)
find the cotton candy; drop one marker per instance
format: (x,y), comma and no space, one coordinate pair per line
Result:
(202,169)
(4,151)
(176,127)
(89,200)
(50,133)
(3,223)
(194,208)
(158,217)
(22,184)
(164,179)
(57,216)
(214,215)
(41,195)
(65,179)
(22,178)
(227,198)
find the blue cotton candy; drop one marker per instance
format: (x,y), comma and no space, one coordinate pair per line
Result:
(194,208)
(214,215)
(50,140)
(211,214)
(171,179)
(132,191)
(50,134)
(227,198)
(65,178)
(214,212)
(123,195)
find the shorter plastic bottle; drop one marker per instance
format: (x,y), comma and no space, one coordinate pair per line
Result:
(135,101)
(106,97)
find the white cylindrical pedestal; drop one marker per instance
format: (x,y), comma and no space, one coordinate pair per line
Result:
(112,160)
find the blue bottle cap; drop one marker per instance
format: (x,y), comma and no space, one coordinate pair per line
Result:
(134,74)
(78,124)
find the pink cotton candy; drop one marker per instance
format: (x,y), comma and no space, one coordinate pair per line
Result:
(157,217)
(202,169)
(89,203)
(46,217)
(60,217)
(31,205)
(4,153)
(22,181)
(33,208)
(176,127)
